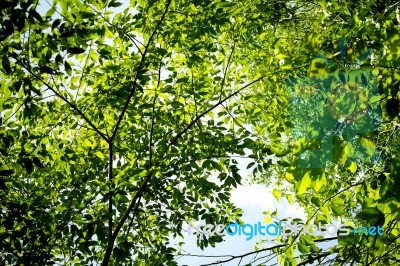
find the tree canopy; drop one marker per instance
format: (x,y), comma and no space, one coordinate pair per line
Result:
(115,116)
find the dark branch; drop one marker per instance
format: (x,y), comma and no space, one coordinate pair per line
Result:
(110,173)
(132,92)
(180,134)
(245,255)
(312,259)
(73,106)
(109,250)
(148,177)
(226,70)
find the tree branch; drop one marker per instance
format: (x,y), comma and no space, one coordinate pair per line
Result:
(118,28)
(109,250)
(73,106)
(132,92)
(312,259)
(262,250)
(180,134)
(245,255)
(226,71)
(152,120)
(110,173)
(148,177)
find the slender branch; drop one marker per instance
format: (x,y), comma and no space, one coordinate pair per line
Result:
(326,201)
(326,239)
(226,70)
(180,134)
(118,28)
(133,90)
(204,256)
(110,173)
(109,250)
(312,259)
(48,131)
(216,156)
(341,191)
(83,72)
(152,121)
(235,120)
(148,177)
(245,255)
(73,106)
(138,195)
(8,118)
(133,215)
(72,217)
(262,250)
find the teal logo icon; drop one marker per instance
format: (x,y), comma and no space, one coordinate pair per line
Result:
(343,105)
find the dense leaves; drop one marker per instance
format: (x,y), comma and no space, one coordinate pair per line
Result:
(334,127)
(112,124)
(121,122)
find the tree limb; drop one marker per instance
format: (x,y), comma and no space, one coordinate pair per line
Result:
(73,106)
(109,250)
(132,92)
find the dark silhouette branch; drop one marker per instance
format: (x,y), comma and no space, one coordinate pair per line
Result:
(312,259)
(245,255)
(143,185)
(180,134)
(73,106)
(110,176)
(226,71)
(262,250)
(133,90)
(125,216)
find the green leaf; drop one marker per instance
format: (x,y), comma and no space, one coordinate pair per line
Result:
(36,15)
(75,50)
(353,167)
(368,145)
(46,69)
(347,240)
(6,172)
(56,22)
(28,165)
(58,59)
(304,183)
(337,206)
(3,151)
(68,68)
(51,11)
(99,154)
(250,165)
(37,162)
(392,107)
(369,213)
(289,198)
(303,248)
(276,193)
(337,209)
(6,64)
(114,4)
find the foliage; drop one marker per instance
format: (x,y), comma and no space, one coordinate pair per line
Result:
(112,122)
(115,116)
(333,133)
